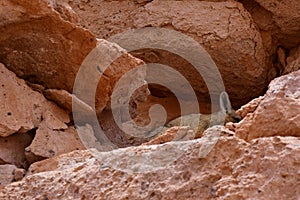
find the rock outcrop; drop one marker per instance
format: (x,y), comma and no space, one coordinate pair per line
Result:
(10,173)
(278,22)
(292,62)
(65,93)
(12,149)
(278,113)
(29,121)
(42,40)
(22,109)
(41,47)
(234,169)
(280,18)
(225,29)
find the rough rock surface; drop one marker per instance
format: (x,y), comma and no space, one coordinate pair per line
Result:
(175,133)
(52,140)
(12,149)
(278,113)
(64,9)
(42,41)
(292,61)
(225,29)
(10,173)
(249,107)
(27,114)
(21,107)
(234,169)
(34,36)
(53,47)
(258,158)
(121,85)
(278,22)
(111,85)
(281,19)
(39,125)
(61,97)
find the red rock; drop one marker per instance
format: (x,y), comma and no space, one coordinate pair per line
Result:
(53,47)
(249,107)
(21,107)
(34,36)
(283,19)
(12,149)
(24,110)
(175,133)
(257,158)
(225,29)
(278,113)
(293,61)
(52,138)
(61,97)
(64,9)
(9,174)
(111,77)
(234,169)
(42,166)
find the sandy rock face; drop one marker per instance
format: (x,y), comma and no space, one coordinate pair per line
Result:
(283,19)
(60,97)
(225,29)
(54,48)
(293,61)
(64,9)
(278,113)
(234,169)
(22,108)
(39,126)
(257,158)
(51,141)
(249,107)
(278,22)
(123,75)
(10,173)
(12,149)
(39,46)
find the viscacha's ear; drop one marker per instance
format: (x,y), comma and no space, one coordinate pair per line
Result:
(225,104)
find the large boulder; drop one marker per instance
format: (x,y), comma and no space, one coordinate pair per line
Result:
(44,48)
(234,169)
(39,43)
(39,46)
(278,112)
(225,29)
